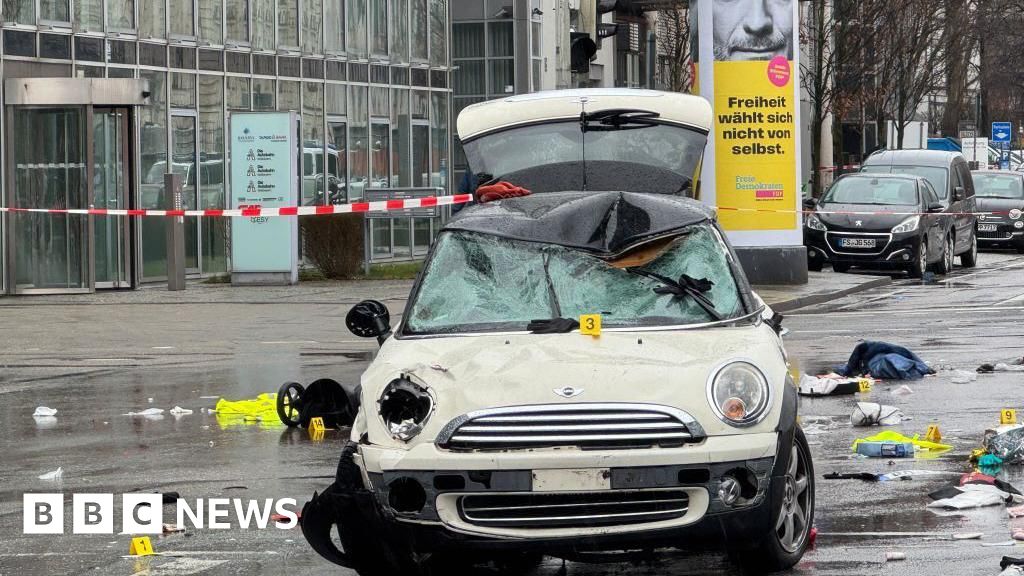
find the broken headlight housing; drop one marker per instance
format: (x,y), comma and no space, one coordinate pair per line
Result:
(405,407)
(738,393)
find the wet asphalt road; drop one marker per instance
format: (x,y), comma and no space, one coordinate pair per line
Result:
(64,356)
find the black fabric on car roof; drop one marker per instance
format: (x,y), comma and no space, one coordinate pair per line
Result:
(605,224)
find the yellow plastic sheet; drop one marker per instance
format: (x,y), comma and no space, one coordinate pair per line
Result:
(262,411)
(890,436)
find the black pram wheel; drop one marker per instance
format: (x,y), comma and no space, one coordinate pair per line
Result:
(289,403)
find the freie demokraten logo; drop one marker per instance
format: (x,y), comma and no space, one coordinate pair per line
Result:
(144,513)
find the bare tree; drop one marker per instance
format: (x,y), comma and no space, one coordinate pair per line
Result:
(673,39)
(911,57)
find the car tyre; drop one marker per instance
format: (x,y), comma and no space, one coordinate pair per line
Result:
(945,264)
(969,259)
(790,536)
(920,265)
(840,268)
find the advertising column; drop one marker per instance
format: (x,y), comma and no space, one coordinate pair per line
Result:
(752,164)
(264,164)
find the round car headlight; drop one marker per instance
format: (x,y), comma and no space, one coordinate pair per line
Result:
(738,393)
(1015,214)
(405,407)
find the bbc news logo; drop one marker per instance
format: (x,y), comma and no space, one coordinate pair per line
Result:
(144,513)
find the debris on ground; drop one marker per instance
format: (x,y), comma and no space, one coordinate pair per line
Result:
(969,496)
(891,444)
(885,361)
(179,411)
(969,536)
(872,414)
(261,410)
(324,398)
(44,412)
(902,391)
(172,529)
(964,377)
(148,413)
(55,475)
(826,386)
(1005,441)
(898,475)
(1014,366)
(893,556)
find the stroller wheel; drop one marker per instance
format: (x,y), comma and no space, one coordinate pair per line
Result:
(289,403)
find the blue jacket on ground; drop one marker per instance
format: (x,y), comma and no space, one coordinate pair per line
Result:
(885,361)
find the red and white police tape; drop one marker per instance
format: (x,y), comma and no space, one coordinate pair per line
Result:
(254,211)
(410,203)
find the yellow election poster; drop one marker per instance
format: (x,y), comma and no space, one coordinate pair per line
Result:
(755,143)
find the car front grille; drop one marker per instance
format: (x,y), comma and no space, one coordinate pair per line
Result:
(592,426)
(573,509)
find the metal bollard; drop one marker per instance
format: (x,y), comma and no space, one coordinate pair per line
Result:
(175,234)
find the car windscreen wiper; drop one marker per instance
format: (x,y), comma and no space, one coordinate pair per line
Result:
(686,286)
(617,119)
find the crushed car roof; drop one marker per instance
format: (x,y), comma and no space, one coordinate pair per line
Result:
(553,105)
(603,223)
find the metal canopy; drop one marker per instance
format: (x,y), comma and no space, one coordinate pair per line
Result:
(76,91)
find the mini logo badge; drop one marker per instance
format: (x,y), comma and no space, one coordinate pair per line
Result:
(858,223)
(568,392)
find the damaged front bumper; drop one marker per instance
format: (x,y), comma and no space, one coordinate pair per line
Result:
(641,507)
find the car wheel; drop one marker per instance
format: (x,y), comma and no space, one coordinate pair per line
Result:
(841,268)
(783,547)
(969,259)
(920,265)
(945,265)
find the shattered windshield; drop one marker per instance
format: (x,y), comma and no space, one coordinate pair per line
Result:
(561,156)
(478,283)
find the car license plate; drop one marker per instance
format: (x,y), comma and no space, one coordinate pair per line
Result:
(573,480)
(986,227)
(857,242)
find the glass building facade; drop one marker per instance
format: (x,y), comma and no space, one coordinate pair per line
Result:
(369,80)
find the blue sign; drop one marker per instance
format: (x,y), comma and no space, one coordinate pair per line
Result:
(1002,132)
(264,250)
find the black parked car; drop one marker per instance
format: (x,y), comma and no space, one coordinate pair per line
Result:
(880,221)
(1001,192)
(950,176)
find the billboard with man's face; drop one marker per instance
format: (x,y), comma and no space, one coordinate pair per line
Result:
(755,104)
(752,29)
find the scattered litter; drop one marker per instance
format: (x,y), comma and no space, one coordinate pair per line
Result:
(147,413)
(1015,366)
(902,391)
(43,411)
(964,377)
(871,414)
(885,449)
(179,411)
(969,536)
(55,475)
(236,488)
(894,556)
(885,361)
(892,437)
(970,496)
(825,386)
(173,529)
(990,460)
(263,407)
(1006,441)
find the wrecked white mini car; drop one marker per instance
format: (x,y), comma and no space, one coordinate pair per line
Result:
(576,372)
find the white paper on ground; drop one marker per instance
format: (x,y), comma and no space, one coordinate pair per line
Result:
(179,411)
(44,411)
(972,496)
(147,412)
(55,475)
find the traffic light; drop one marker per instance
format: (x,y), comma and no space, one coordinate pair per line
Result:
(582,51)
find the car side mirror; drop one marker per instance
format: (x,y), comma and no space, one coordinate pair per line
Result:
(936,207)
(958,193)
(369,319)
(810,204)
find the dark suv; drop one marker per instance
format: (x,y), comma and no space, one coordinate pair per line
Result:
(950,176)
(880,221)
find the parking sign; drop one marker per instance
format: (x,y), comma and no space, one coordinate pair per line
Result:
(1001,132)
